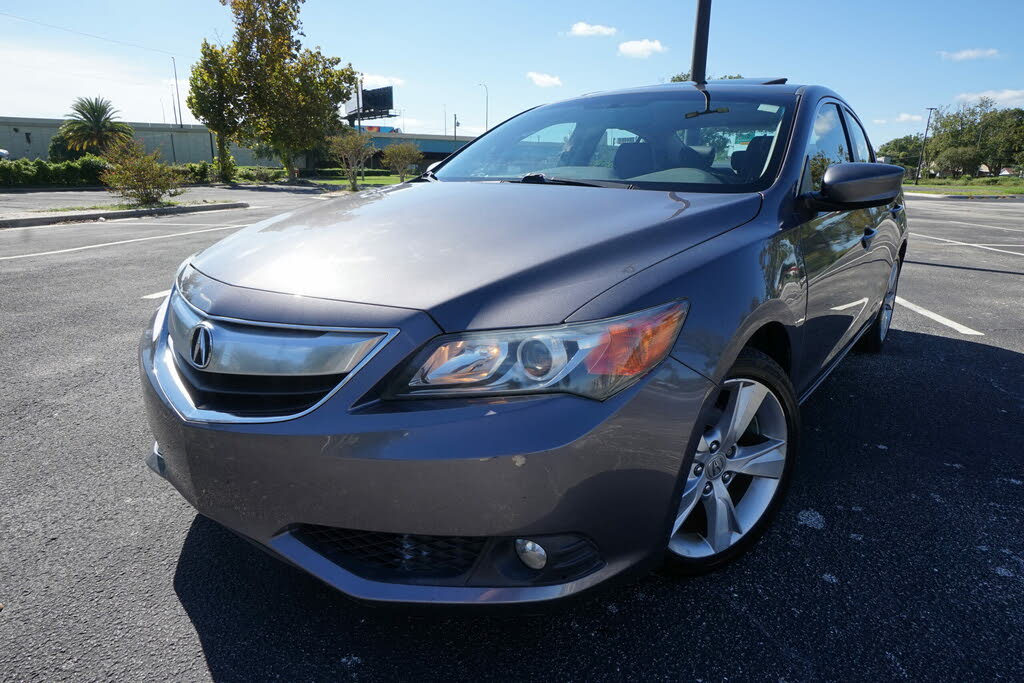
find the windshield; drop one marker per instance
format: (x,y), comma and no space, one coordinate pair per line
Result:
(646,140)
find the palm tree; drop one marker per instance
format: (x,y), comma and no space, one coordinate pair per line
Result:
(92,126)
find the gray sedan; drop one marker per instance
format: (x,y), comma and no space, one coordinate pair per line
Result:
(575,350)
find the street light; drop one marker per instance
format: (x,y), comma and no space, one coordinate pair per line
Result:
(487,105)
(920,160)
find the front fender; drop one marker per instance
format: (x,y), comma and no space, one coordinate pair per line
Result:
(736,283)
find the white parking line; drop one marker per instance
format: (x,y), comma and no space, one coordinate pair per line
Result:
(111,244)
(157,295)
(967,244)
(979,225)
(962,329)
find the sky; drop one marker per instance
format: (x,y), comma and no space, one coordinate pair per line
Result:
(889,58)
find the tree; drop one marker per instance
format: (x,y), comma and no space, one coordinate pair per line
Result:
(352,149)
(92,125)
(958,161)
(904,151)
(58,149)
(1001,138)
(213,98)
(138,177)
(687,76)
(289,96)
(400,157)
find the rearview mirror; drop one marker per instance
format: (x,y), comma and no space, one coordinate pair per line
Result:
(856,186)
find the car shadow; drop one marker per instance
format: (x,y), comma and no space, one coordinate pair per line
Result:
(885,439)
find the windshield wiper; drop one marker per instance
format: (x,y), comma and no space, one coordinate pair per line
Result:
(542,179)
(426,177)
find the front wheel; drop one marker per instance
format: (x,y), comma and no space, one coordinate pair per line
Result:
(874,338)
(744,461)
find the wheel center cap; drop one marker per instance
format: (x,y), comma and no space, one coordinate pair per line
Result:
(715,467)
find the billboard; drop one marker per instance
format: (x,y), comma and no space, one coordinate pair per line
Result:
(378,99)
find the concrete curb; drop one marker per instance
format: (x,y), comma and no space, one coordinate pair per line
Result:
(929,195)
(30,221)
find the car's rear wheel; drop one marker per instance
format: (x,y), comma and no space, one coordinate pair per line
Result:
(875,337)
(744,460)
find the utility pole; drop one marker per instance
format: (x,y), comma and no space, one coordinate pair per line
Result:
(920,161)
(487,106)
(455,128)
(177,94)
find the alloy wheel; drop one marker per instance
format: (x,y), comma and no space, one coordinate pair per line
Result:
(736,472)
(889,302)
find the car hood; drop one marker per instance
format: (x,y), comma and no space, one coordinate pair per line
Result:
(474,255)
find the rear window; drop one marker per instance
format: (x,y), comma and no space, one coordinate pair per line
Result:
(649,140)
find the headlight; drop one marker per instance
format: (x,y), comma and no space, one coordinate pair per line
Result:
(593,359)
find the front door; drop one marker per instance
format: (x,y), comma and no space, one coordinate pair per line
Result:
(836,253)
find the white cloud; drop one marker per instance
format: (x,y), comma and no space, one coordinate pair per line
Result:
(543,80)
(904,117)
(378,81)
(880,122)
(975,53)
(582,28)
(1005,98)
(640,49)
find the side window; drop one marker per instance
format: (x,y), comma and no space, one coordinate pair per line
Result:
(858,139)
(827,146)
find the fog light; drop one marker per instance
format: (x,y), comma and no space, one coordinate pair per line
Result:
(532,554)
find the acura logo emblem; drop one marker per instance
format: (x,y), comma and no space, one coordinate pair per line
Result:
(715,467)
(200,346)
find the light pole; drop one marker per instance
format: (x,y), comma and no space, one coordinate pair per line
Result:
(920,161)
(177,94)
(487,106)
(455,127)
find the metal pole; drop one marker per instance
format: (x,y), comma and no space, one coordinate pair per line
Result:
(181,122)
(455,128)
(920,161)
(487,106)
(699,63)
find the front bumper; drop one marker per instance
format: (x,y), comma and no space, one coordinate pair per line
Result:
(492,468)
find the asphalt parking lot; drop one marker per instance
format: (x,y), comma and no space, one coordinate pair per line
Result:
(897,555)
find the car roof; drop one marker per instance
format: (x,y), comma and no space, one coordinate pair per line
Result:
(744,86)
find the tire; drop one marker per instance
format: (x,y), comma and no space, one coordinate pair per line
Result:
(875,337)
(713,528)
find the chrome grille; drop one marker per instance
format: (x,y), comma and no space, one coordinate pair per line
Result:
(252,371)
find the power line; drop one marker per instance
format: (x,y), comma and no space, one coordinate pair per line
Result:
(92,35)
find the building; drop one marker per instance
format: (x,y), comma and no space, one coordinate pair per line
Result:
(30,138)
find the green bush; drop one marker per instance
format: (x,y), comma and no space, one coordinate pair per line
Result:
(193,173)
(42,173)
(138,177)
(260,174)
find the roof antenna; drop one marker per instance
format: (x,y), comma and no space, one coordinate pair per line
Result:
(699,63)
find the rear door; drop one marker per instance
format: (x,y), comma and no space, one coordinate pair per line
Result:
(837,258)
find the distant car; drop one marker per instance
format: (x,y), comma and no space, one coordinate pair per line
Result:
(4,154)
(573,350)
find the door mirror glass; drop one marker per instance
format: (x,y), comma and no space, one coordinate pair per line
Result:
(850,186)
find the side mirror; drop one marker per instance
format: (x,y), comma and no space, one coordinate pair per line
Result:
(433,166)
(856,186)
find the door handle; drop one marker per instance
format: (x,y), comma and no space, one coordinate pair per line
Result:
(869,234)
